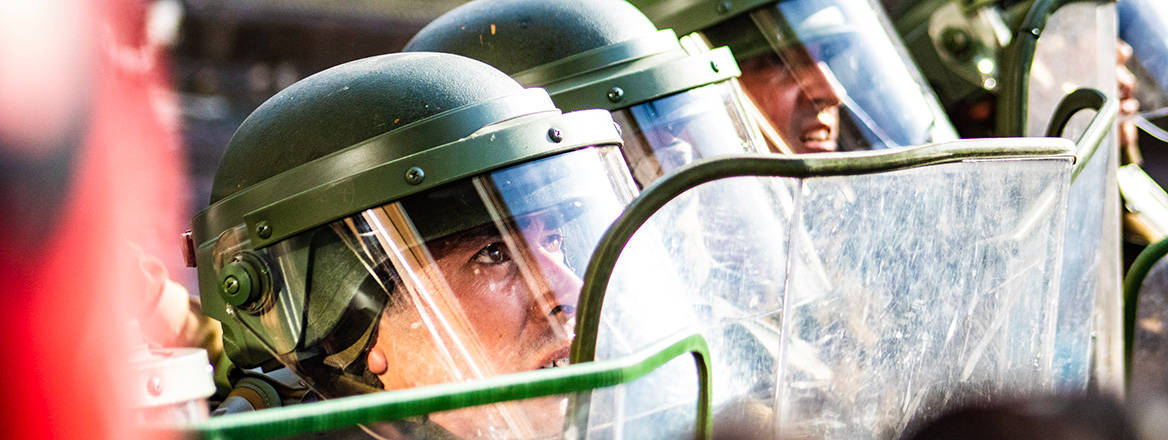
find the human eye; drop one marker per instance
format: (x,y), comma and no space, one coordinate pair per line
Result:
(494,253)
(553,242)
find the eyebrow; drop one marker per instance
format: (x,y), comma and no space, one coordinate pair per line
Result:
(441,247)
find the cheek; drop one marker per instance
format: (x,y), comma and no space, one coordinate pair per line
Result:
(783,102)
(495,301)
(775,97)
(411,353)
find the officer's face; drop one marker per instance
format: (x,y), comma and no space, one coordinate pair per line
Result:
(800,102)
(509,307)
(511,297)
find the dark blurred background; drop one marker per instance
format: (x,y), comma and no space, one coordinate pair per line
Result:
(231,55)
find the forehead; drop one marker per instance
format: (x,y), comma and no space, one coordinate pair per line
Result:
(477,237)
(473,238)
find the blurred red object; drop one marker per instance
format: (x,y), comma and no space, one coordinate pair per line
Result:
(92,168)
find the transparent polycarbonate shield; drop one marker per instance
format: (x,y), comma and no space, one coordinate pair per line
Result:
(1091,273)
(666,133)
(848,306)
(942,291)
(1149,379)
(724,276)
(838,80)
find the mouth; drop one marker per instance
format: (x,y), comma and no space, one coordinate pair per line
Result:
(555,363)
(556,359)
(817,139)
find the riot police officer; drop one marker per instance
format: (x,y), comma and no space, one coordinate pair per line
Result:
(409,220)
(827,74)
(673,107)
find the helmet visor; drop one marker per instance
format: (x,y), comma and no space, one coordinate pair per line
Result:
(836,80)
(666,133)
(468,280)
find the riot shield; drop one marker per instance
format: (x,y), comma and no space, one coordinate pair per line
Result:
(844,295)
(680,360)
(1039,74)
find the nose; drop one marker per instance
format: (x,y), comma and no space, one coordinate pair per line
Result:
(557,287)
(557,294)
(821,87)
(561,281)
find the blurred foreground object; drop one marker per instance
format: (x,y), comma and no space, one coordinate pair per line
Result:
(88,163)
(178,383)
(1051,417)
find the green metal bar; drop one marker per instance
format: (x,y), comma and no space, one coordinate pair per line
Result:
(1107,109)
(415,402)
(600,267)
(1131,295)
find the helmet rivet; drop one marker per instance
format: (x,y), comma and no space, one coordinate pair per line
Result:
(615,94)
(230,311)
(555,135)
(714,65)
(263,229)
(415,175)
(231,285)
(1035,31)
(154,386)
(723,7)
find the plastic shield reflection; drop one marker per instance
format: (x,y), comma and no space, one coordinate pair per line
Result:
(846,306)
(668,132)
(1091,272)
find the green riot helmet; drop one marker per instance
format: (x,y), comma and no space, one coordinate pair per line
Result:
(960,46)
(673,106)
(408,220)
(828,74)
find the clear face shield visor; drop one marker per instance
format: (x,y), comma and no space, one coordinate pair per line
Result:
(835,79)
(663,134)
(465,281)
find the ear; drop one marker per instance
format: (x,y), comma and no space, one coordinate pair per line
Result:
(376,361)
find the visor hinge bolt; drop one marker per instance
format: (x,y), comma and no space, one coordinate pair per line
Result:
(263,229)
(415,175)
(615,94)
(555,135)
(723,7)
(231,285)
(1035,31)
